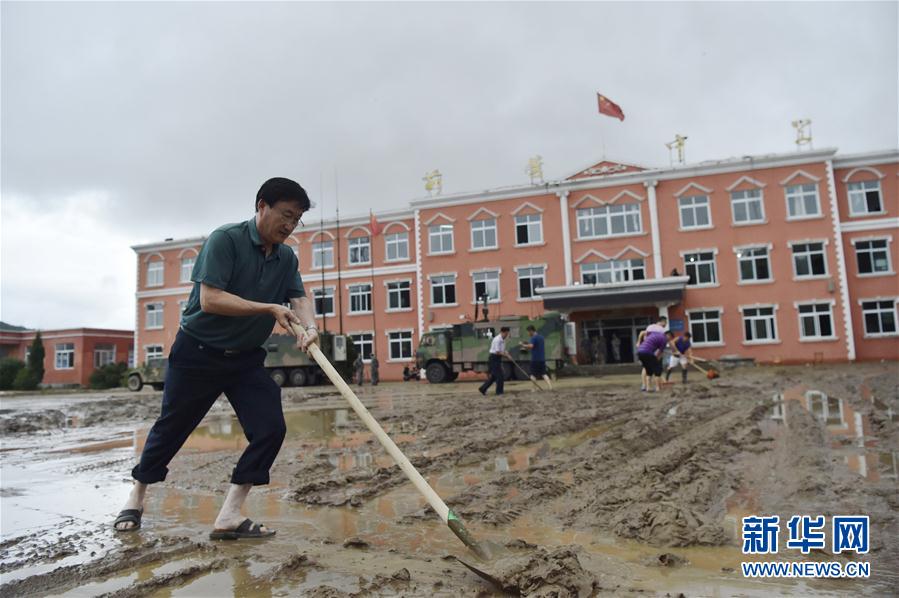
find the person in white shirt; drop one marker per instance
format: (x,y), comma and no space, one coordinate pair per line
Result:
(495,362)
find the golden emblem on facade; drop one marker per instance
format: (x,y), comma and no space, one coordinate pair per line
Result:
(677,147)
(433,182)
(803,128)
(535,169)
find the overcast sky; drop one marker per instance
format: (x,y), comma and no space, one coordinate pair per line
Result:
(128,123)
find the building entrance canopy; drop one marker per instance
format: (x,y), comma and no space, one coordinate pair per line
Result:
(660,292)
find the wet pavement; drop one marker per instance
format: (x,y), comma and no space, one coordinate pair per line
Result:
(647,492)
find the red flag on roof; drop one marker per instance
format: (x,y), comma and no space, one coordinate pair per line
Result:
(608,107)
(375,225)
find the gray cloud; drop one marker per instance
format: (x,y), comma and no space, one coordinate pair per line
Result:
(176,112)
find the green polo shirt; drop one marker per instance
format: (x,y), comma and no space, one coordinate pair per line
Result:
(233,259)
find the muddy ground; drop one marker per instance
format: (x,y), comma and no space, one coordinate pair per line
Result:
(595,489)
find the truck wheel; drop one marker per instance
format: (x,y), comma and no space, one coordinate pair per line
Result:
(436,373)
(298,377)
(278,376)
(507,370)
(158,385)
(135,383)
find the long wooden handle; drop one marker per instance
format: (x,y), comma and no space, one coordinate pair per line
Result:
(420,483)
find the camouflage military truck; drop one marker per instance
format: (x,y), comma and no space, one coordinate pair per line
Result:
(287,365)
(442,354)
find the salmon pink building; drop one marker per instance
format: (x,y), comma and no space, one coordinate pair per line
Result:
(72,354)
(779,258)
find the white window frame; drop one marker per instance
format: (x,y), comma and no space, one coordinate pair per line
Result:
(695,202)
(441,232)
(484,276)
(594,216)
(320,250)
(770,324)
(528,273)
(800,193)
(741,257)
(394,287)
(104,356)
(879,310)
(815,316)
(443,283)
(158,352)
(530,223)
(322,294)
(691,319)
(358,292)
(857,188)
(182,305)
(746,199)
(155,273)
(399,338)
(482,228)
(361,246)
(64,356)
(158,307)
(361,342)
(396,241)
(807,256)
(697,263)
(618,270)
(187,267)
(874,273)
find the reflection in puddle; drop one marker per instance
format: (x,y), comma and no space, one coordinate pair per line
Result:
(849,431)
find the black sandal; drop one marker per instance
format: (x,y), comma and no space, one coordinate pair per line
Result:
(128,516)
(247,529)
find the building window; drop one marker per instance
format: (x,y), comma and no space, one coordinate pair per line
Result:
(187,268)
(873,256)
(104,354)
(815,321)
(701,268)
(483,234)
(400,345)
(759,324)
(65,356)
(529,280)
(880,317)
(397,246)
(364,343)
(612,271)
(753,263)
(399,295)
(809,260)
(323,254)
(486,283)
(155,271)
(153,352)
(609,221)
(130,358)
(182,305)
(694,212)
(154,315)
(802,201)
(747,206)
(864,198)
(528,229)
(360,251)
(705,326)
(440,237)
(360,298)
(323,301)
(443,290)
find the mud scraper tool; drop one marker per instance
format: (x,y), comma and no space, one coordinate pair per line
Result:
(482,550)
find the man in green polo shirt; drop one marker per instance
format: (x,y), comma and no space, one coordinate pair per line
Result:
(242,278)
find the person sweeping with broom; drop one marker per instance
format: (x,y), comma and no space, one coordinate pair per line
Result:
(242,277)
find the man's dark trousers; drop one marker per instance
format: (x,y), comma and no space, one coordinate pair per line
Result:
(196,376)
(495,367)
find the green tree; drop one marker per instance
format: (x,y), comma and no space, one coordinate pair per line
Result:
(25,380)
(110,375)
(36,358)
(9,368)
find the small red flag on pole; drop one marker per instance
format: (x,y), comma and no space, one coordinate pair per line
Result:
(375,225)
(608,107)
